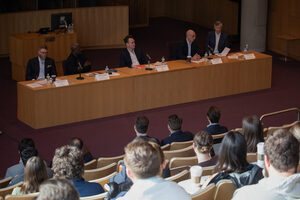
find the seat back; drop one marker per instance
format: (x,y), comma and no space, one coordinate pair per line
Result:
(207,193)
(251,157)
(22,197)
(4,182)
(90,165)
(166,147)
(208,170)
(93,174)
(186,152)
(183,161)
(95,197)
(224,190)
(102,181)
(184,175)
(104,161)
(8,190)
(180,145)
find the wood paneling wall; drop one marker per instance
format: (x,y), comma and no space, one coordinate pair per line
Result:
(284,19)
(204,12)
(100,27)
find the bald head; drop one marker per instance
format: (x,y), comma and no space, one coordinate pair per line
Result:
(190,35)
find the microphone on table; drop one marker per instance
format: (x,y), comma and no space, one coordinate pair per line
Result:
(210,50)
(149,58)
(79,69)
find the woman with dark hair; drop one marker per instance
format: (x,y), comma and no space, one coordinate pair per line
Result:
(232,163)
(35,174)
(253,132)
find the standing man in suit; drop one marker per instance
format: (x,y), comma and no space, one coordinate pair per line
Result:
(216,40)
(40,66)
(174,126)
(188,47)
(131,56)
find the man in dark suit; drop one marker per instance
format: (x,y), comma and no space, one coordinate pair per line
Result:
(174,126)
(40,66)
(141,128)
(216,40)
(131,56)
(188,47)
(213,117)
(72,66)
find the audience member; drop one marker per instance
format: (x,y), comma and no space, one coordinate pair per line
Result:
(40,66)
(203,144)
(68,163)
(143,166)
(188,47)
(174,126)
(216,40)
(141,128)
(76,62)
(58,189)
(253,132)
(232,162)
(295,130)
(35,174)
(131,56)
(281,161)
(86,155)
(19,168)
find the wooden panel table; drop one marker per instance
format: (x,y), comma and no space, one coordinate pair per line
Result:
(139,89)
(24,46)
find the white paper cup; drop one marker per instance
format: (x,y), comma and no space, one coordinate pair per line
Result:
(196,173)
(260,154)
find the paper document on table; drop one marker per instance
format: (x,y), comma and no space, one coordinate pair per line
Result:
(216,61)
(34,85)
(114,74)
(199,61)
(42,82)
(233,56)
(249,56)
(60,83)
(101,77)
(225,52)
(162,68)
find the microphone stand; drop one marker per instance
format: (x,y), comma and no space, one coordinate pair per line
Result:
(80,69)
(148,66)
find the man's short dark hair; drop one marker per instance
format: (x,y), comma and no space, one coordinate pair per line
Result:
(282,150)
(175,122)
(141,124)
(213,114)
(25,142)
(217,23)
(127,38)
(27,153)
(76,142)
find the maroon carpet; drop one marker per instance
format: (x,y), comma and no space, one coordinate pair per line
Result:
(107,136)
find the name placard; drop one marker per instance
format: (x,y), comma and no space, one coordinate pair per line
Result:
(216,61)
(162,68)
(60,83)
(249,56)
(101,77)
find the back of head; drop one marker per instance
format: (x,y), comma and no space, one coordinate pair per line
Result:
(282,150)
(233,153)
(141,124)
(142,159)
(25,142)
(27,153)
(175,122)
(67,162)
(35,174)
(295,130)
(58,189)
(253,132)
(213,114)
(76,142)
(203,141)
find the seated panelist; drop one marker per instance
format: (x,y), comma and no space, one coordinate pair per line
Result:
(216,40)
(131,56)
(188,47)
(40,66)
(76,62)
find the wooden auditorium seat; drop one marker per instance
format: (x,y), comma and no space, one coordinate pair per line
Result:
(207,193)
(104,161)
(183,161)
(180,145)
(95,197)
(22,197)
(8,190)
(224,190)
(4,182)
(93,174)
(90,165)
(186,152)
(102,181)
(184,175)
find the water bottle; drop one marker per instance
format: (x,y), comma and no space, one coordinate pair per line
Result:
(206,55)
(163,60)
(246,49)
(48,79)
(107,69)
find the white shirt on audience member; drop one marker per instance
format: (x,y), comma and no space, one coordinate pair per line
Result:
(42,68)
(217,42)
(155,188)
(133,57)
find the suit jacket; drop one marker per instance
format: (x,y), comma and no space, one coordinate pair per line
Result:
(211,41)
(215,129)
(182,50)
(125,59)
(33,68)
(85,188)
(15,170)
(71,64)
(178,136)
(152,139)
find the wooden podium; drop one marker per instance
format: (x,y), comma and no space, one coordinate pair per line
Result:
(24,46)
